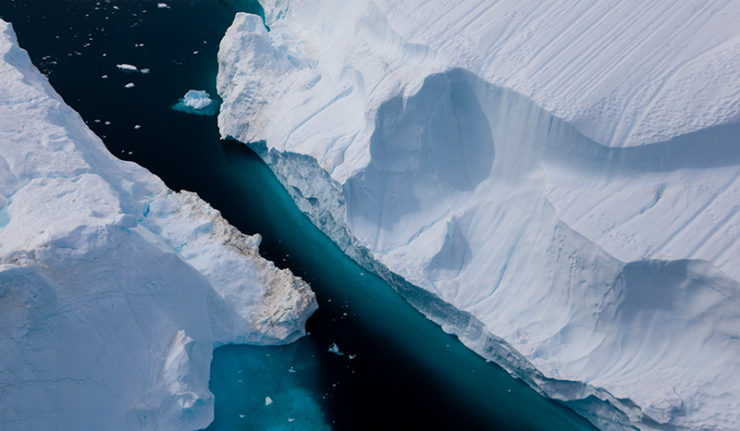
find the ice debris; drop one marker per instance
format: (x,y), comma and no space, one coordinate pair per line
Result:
(197,102)
(335,349)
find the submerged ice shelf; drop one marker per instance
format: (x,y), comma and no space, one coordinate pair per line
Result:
(568,221)
(114,290)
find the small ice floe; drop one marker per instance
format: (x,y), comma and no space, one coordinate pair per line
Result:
(145,71)
(335,349)
(290,419)
(291,370)
(137,127)
(352,356)
(197,102)
(129,85)
(242,416)
(127,67)
(107,123)
(104,76)
(268,401)
(163,6)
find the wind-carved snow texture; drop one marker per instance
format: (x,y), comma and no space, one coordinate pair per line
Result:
(114,290)
(556,183)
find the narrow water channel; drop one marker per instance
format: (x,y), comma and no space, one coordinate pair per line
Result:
(391,368)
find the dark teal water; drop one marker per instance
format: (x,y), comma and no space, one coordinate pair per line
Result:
(404,372)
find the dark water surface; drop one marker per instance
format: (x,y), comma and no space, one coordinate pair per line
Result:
(398,370)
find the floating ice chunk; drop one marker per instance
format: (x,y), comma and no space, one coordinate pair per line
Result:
(130,68)
(197,99)
(242,416)
(197,102)
(129,85)
(127,67)
(163,6)
(335,349)
(268,400)
(137,127)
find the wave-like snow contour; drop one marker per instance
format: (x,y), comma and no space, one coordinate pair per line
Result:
(114,290)
(556,183)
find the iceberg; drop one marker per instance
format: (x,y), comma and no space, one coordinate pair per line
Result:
(127,67)
(130,68)
(555,184)
(197,102)
(114,290)
(335,349)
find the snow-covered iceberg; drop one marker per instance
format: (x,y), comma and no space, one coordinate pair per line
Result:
(197,102)
(114,290)
(556,183)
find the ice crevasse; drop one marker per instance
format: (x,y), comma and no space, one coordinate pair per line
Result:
(114,290)
(554,182)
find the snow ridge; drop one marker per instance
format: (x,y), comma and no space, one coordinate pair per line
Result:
(518,186)
(114,290)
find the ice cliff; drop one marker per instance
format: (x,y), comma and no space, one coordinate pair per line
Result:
(114,290)
(555,182)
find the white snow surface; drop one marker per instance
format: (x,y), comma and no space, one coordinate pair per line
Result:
(566,172)
(114,290)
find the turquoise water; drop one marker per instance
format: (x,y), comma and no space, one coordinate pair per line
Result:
(273,388)
(398,370)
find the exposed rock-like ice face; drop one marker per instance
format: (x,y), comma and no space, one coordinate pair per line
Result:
(583,221)
(114,290)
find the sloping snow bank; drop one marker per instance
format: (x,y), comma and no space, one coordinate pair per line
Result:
(596,263)
(114,290)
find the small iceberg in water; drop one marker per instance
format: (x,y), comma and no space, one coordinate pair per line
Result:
(127,67)
(335,349)
(197,102)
